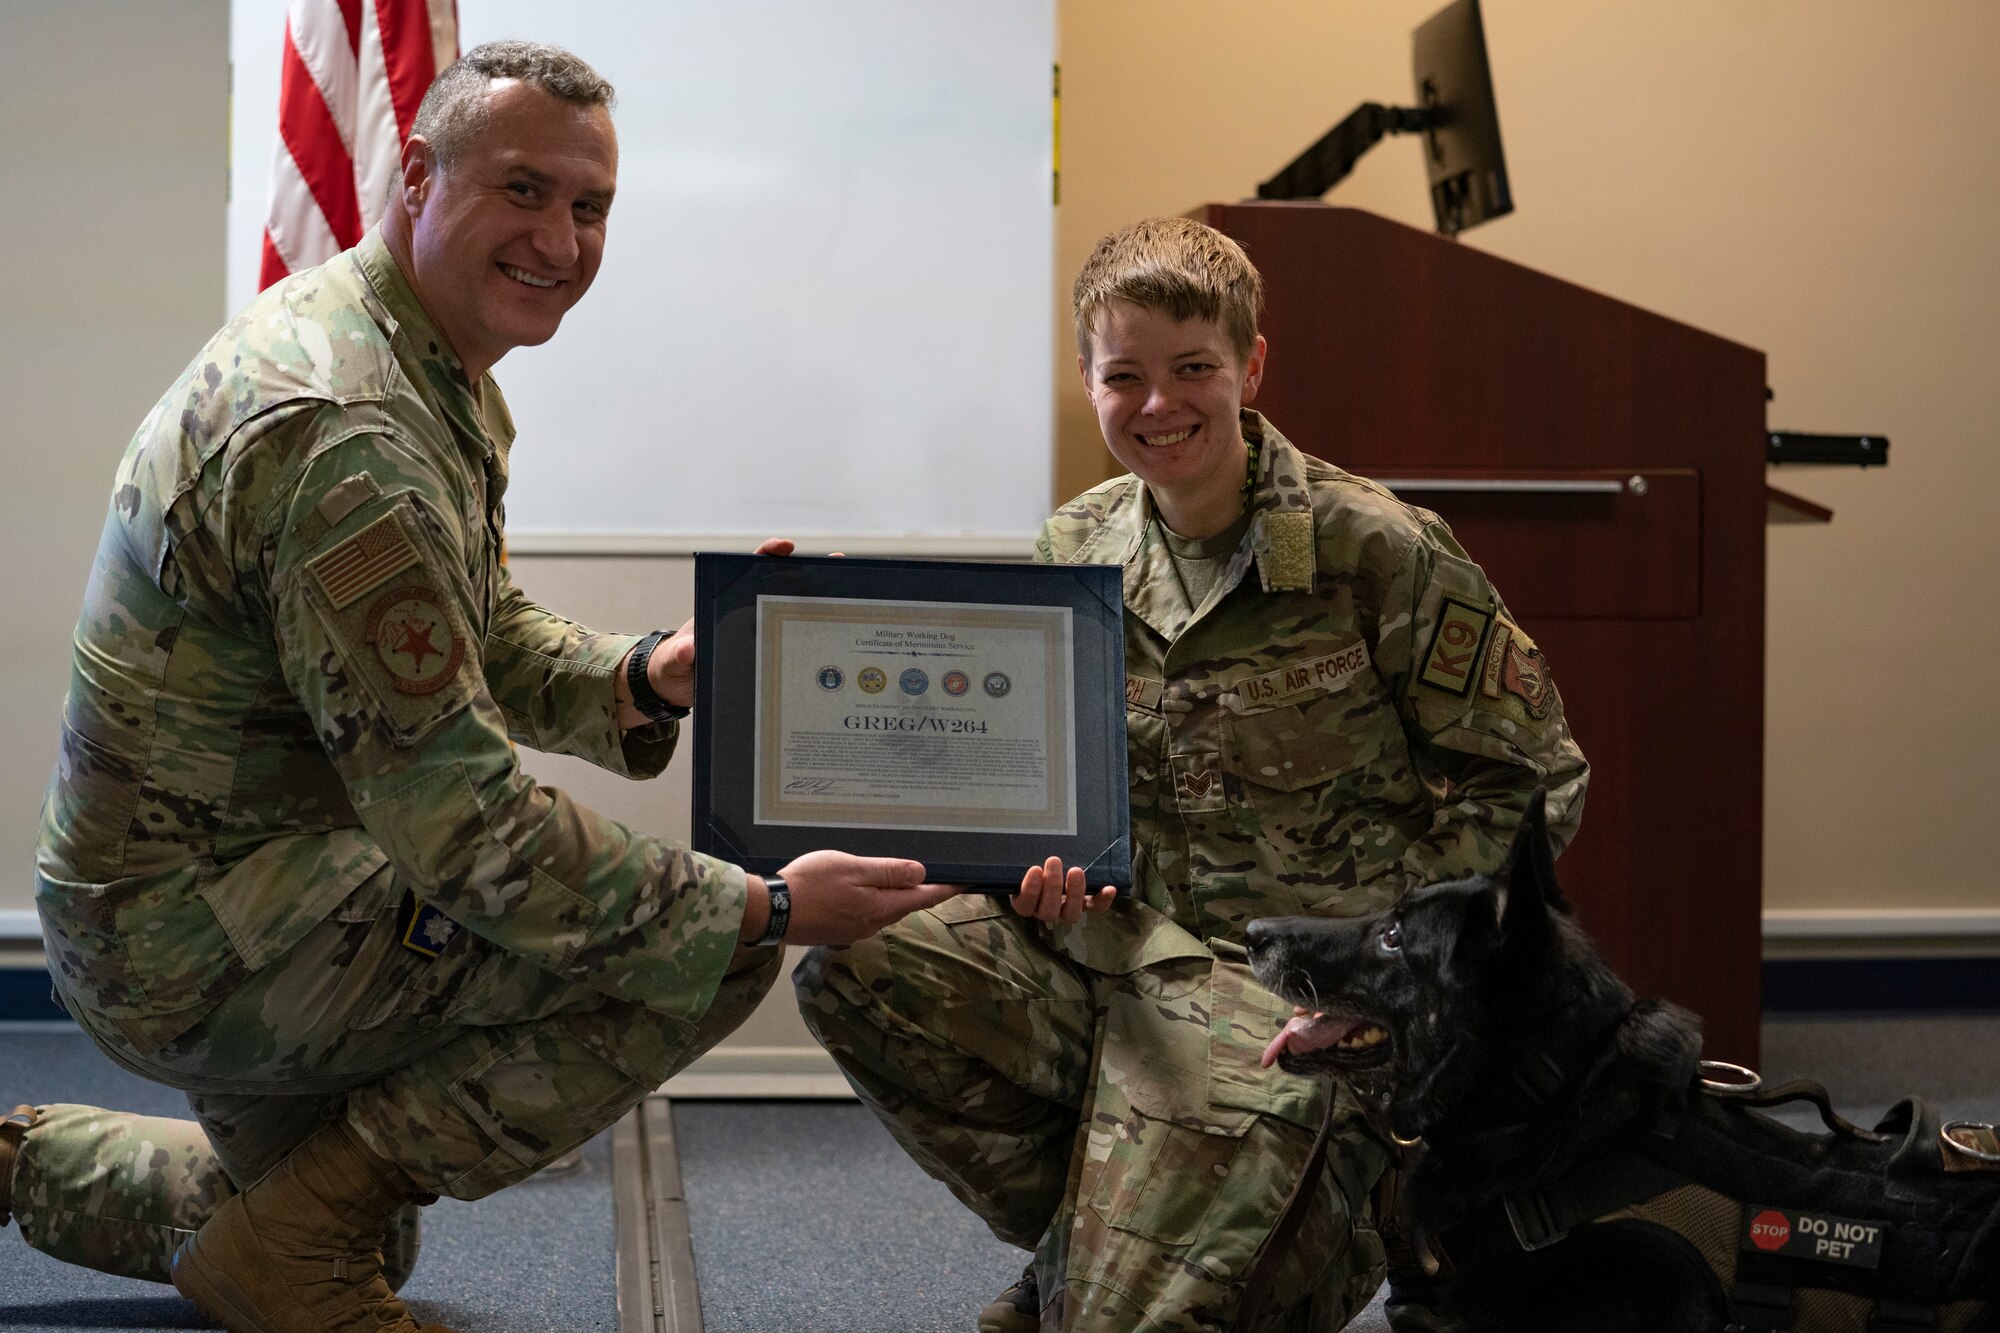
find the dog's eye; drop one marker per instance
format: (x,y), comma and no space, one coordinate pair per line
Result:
(1391,938)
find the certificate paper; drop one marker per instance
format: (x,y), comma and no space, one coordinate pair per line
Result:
(966,714)
(915,715)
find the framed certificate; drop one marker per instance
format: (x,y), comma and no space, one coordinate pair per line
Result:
(967,715)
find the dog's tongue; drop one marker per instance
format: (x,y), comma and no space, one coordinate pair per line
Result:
(1307,1032)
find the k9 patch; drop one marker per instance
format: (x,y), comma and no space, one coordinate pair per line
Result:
(1452,662)
(1792,1234)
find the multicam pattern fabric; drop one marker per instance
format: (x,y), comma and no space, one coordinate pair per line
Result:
(1115,1123)
(120,1193)
(1315,737)
(299,668)
(1272,773)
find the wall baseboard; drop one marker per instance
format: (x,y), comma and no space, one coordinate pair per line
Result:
(974,546)
(1920,985)
(1785,930)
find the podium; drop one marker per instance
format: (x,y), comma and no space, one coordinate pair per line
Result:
(1605,465)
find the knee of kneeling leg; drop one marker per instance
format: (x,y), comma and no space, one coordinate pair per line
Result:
(834,985)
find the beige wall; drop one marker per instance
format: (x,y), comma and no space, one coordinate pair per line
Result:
(113,151)
(1803,177)
(1816,178)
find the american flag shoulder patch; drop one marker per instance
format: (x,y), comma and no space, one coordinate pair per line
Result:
(366,560)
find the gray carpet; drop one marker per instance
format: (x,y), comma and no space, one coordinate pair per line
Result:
(807,1218)
(805,1214)
(536,1259)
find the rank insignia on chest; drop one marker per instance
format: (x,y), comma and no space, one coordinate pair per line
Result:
(424,929)
(1198,783)
(1453,657)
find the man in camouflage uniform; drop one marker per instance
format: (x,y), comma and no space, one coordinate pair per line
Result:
(289,862)
(1326,705)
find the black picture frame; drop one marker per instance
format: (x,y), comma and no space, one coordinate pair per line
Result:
(729,591)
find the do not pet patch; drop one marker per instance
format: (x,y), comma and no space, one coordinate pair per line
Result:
(1792,1234)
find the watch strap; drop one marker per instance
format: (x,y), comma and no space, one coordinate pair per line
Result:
(644,698)
(780,919)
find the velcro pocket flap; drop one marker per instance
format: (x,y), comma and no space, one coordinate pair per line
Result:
(269,900)
(1243,1017)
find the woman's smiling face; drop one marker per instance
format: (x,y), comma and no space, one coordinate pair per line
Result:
(1168,395)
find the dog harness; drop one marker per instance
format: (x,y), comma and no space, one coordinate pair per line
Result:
(1889,1230)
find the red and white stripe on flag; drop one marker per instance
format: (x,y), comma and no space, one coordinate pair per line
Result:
(354,72)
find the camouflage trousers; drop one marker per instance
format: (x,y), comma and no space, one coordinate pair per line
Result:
(1117,1124)
(471,1070)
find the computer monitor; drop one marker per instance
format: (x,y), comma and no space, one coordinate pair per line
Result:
(1455,114)
(1468,172)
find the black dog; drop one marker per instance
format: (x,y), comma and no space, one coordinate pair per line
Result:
(1569,1168)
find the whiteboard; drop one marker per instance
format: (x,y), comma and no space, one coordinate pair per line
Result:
(825,299)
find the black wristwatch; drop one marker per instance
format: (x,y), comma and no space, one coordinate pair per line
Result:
(781,911)
(644,698)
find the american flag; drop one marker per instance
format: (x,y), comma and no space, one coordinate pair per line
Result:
(354,72)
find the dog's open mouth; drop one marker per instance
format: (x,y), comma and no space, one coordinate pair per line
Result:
(1328,1041)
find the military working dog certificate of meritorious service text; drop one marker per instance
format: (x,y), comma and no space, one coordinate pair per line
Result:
(969,715)
(915,715)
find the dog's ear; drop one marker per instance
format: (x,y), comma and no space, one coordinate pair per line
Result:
(1529,889)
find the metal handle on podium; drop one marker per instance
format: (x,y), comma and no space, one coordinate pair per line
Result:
(1521,485)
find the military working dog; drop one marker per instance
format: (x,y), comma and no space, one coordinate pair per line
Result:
(1567,1165)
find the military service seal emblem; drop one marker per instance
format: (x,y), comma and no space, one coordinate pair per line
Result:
(413,638)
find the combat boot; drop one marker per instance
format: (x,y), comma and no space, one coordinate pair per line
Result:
(300,1251)
(1015,1310)
(19,1122)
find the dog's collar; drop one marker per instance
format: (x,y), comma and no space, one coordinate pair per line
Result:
(1508,1108)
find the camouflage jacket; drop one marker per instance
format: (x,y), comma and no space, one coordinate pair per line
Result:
(301,658)
(1350,712)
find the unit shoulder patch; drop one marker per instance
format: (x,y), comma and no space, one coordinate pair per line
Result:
(414,640)
(1455,645)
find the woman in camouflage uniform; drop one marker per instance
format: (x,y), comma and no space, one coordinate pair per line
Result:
(1326,705)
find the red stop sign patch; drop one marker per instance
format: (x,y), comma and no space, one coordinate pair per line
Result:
(1770,1229)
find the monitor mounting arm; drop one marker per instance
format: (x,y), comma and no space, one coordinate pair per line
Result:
(1322,166)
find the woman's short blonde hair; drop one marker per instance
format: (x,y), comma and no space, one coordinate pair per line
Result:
(1179,267)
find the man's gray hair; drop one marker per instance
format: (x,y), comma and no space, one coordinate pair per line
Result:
(453,112)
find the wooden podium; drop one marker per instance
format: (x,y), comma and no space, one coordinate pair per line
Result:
(1606,467)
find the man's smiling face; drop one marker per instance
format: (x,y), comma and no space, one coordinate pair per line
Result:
(508,237)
